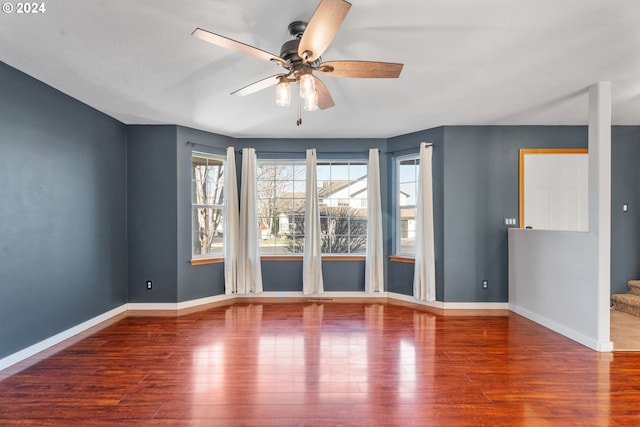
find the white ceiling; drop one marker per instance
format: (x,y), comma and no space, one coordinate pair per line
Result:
(467,62)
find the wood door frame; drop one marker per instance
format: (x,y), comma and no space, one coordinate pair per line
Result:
(524,152)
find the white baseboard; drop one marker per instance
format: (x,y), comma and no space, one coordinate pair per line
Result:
(413,300)
(450,305)
(160,306)
(476,306)
(604,346)
(563,330)
(203,301)
(322,295)
(175,306)
(58,338)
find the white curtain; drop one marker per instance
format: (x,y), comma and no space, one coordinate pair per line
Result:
(374,272)
(312,257)
(231,218)
(424,279)
(249,269)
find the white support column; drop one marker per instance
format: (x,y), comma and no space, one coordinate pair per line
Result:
(600,200)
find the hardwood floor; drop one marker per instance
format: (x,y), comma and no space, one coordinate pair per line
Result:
(329,364)
(625,331)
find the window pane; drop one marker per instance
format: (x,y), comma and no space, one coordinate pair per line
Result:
(207,174)
(343,196)
(299,171)
(340,244)
(339,172)
(208,231)
(406,197)
(214,193)
(299,188)
(408,171)
(358,171)
(323,171)
(407,230)
(281,197)
(407,194)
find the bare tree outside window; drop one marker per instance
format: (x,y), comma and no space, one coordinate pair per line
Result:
(343,230)
(281,198)
(207,174)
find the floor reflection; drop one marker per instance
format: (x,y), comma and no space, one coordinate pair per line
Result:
(327,364)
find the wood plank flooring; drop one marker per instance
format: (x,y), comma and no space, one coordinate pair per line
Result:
(328,364)
(625,331)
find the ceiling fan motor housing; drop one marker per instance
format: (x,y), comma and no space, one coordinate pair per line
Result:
(296,28)
(289,51)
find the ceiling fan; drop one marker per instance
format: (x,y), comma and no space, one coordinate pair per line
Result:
(300,58)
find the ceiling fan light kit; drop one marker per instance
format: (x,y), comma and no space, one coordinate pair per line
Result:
(311,101)
(283,93)
(301,56)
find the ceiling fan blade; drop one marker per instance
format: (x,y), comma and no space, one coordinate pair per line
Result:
(237,46)
(361,69)
(258,86)
(322,28)
(324,97)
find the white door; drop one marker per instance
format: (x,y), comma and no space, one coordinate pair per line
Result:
(554,184)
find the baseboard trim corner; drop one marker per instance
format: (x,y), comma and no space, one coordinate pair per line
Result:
(560,329)
(47,343)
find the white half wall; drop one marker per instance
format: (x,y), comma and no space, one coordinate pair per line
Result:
(562,279)
(553,281)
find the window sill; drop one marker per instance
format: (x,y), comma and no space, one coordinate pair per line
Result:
(281,258)
(204,261)
(405,259)
(324,258)
(344,258)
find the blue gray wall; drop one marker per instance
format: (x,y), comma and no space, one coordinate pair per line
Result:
(475,171)
(159,213)
(481,188)
(92,208)
(625,188)
(62,212)
(152,212)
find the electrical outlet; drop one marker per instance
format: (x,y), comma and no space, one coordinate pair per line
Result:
(149,284)
(485,284)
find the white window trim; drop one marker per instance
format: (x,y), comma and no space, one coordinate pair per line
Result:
(347,161)
(223,160)
(398,223)
(332,256)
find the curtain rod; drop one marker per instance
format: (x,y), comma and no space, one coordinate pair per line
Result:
(193,144)
(217,151)
(413,149)
(333,153)
(317,152)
